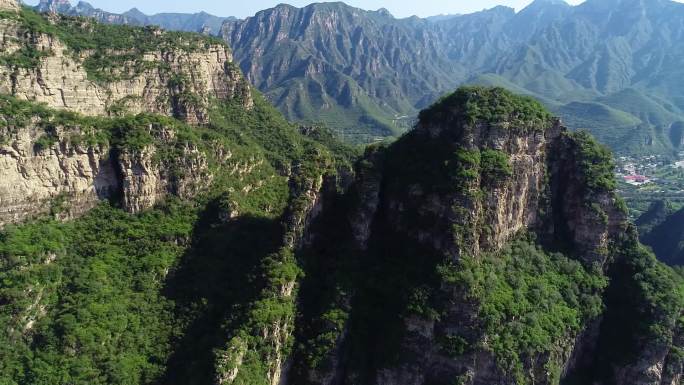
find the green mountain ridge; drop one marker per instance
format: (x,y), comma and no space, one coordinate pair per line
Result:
(558,53)
(379,71)
(197,22)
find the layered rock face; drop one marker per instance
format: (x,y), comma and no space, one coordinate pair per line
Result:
(175,81)
(180,79)
(33,178)
(9,5)
(68,179)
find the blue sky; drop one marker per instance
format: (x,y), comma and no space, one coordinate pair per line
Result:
(242,8)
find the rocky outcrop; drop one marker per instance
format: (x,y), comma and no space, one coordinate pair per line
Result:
(146,181)
(34,177)
(9,5)
(181,79)
(508,204)
(68,179)
(174,81)
(459,188)
(481,206)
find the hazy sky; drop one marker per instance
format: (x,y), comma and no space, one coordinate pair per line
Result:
(243,8)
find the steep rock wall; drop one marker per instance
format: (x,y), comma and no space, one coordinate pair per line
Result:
(69,179)
(181,79)
(174,81)
(459,189)
(32,177)
(9,5)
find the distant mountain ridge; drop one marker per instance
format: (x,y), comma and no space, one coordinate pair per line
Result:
(611,66)
(195,22)
(615,61)
(359,71)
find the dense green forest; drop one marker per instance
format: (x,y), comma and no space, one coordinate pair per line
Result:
(117,298)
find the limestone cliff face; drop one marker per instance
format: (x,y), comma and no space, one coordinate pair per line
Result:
(33,177)
(540,191)
(174,81)
(9,5)
(507,205)
(37,177)
(146,181)
(180,79)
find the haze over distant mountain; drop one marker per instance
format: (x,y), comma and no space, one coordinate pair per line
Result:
(195,22)
(618,62)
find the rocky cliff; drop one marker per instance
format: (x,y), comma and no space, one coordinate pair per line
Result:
(66,168)
(48,154)
(456,239)
(64,63)
(34,178)
(9,5)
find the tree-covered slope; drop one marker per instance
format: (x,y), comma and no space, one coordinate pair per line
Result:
(135,245)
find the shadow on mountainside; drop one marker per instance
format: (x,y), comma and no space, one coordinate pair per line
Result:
(213,286)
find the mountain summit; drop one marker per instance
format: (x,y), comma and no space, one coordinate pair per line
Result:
(54,6)
(328,61)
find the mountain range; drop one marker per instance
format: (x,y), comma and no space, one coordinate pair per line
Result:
(197,22)
(616,63)
(610,66)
